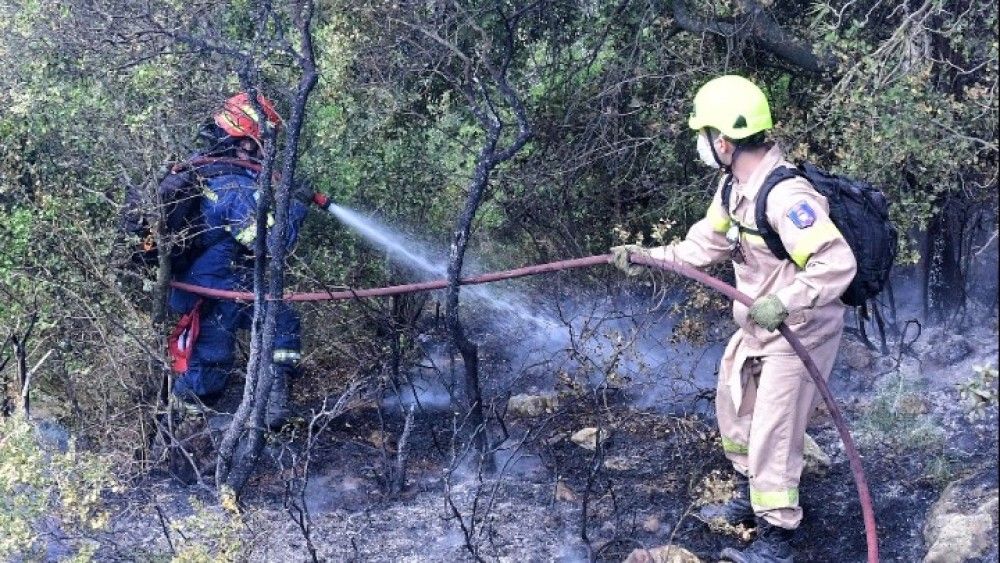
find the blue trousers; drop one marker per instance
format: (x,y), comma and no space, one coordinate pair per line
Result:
(213,355)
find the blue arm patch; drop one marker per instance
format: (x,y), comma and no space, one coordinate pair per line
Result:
(802,215)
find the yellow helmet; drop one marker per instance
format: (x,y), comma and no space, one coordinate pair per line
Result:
(733,105)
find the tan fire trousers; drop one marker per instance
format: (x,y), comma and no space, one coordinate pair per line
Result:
(763,428)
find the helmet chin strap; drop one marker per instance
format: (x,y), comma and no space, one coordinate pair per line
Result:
(715,154)
(727,168)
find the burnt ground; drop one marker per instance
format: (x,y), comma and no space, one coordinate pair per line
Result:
(654,470)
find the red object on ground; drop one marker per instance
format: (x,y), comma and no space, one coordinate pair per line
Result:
(854,458)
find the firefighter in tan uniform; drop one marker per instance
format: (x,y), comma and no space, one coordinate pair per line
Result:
(764,395)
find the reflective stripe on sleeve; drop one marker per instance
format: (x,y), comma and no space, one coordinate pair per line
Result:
(810,241)
(247,235)
(717,218)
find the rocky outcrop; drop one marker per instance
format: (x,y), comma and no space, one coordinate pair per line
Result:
(816,460)
(527,405)
(962,524)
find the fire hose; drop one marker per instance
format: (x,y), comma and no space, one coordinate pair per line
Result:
(854,458)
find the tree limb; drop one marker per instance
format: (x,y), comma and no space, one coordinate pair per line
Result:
(756,24)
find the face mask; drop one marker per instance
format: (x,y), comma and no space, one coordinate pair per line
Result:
(705,151)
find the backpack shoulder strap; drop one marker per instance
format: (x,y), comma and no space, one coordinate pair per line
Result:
(727,192)
(767,232)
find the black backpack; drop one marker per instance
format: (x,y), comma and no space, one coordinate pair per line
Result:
(179,192)
(859,210)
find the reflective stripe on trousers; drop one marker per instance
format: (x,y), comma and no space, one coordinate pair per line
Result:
(286,356)
(769,500)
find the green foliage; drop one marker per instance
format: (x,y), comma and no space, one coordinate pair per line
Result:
(897,421)
(40,483)
(210,533)
(921,126)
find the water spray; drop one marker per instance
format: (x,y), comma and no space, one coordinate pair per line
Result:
(379,235)
(398,248)
(854,458)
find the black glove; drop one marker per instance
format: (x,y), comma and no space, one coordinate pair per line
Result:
(303,192)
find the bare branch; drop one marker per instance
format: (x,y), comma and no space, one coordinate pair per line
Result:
(758,25)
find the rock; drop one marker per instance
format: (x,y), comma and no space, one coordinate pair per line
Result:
(856,355)
(816,460)
(662,554)
(961,525)
(651,524)
(621,463)
(948,350)
(564,493)
(381,440)
(526,405)
(911,404)
(586,438)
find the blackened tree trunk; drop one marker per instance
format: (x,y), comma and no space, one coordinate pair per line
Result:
(944,277)
(456,257)
(483,79)
(242,442)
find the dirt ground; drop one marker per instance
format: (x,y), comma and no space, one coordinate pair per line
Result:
(642,490)
(643,495)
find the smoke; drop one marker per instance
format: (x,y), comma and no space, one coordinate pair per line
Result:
(614,343)
(617,344)
(430,385)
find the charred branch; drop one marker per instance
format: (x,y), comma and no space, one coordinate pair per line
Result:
(242,443)
(477,83)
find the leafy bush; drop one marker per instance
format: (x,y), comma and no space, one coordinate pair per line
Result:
(897,419)
(41,487)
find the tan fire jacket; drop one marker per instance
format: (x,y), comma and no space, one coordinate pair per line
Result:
(810,284)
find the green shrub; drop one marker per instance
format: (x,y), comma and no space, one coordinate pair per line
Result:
(897,419)
(37,482)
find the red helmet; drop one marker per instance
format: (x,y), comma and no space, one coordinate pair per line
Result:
(239,119)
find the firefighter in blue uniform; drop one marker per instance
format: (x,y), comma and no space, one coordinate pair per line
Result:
(224,260)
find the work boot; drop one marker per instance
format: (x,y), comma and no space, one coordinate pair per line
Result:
(773,545)
(735,511)
(188,406)
(277,413)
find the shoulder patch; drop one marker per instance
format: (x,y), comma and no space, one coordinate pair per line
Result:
(802,215)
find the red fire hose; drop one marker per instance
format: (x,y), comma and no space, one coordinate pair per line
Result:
(854,458)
